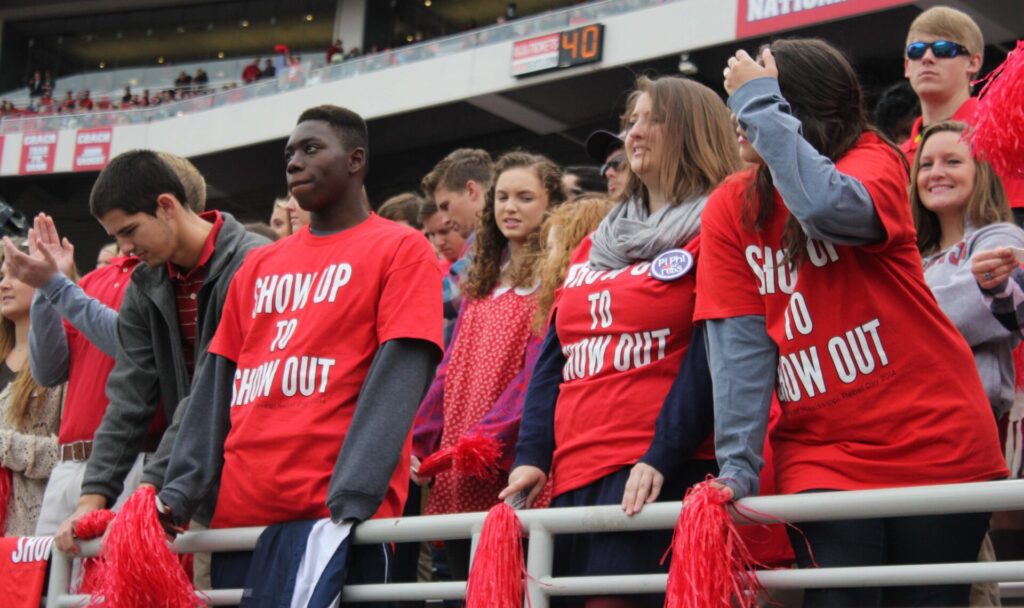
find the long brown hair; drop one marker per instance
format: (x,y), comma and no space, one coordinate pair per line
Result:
(986,205)
(699,148)
(573,223)
(491,244)
(26,396)
(824,94)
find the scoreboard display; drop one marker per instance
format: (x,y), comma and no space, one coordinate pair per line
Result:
(566,49)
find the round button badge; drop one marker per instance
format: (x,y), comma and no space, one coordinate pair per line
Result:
(672,265)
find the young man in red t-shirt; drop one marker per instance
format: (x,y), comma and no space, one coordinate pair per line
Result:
(327,343)
(944,54)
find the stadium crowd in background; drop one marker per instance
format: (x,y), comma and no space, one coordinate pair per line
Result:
(614,334)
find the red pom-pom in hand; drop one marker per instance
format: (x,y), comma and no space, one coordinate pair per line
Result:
(711,567)
(94,524)
(140,569)
(998,133)
(495,579)
(473,455)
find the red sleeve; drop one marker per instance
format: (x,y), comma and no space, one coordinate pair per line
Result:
(410,301)
(726,286)
(227,341)
(881,170)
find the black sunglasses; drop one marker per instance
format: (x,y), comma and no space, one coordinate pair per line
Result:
(944,49)
(613,163)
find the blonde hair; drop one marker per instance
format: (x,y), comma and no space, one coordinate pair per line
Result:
(986,205)
(574,222)
(26,396)
(699,148)
(191,179)
(950,23)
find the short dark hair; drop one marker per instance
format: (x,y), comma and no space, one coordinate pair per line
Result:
(428,209)
(453,171)
(588,179)
(350,127)
(403,207)
(132,182)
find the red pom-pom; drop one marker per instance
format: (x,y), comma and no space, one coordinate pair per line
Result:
(140,569)
(94,524)
(711,567)
(998,133)
(6,491)
(280,48)
(496,577)
(473,455)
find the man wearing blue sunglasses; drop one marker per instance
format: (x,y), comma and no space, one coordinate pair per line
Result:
(943,55)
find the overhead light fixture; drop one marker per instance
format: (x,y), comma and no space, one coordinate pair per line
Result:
(181,29)
(309,16)
(160,60)
(220,55)
(103,64)
(427,3)
(409,38)
(245,23)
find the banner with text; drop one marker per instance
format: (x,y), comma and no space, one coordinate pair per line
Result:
(759,17)
(92,149)
(37,152)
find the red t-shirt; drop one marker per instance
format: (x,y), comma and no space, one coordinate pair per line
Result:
(23,563)
(88,366)
(624,334)
(302,320)
(877,386)
(965,113)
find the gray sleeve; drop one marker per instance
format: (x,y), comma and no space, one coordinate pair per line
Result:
(156,466)
(96,321)
(743,365)
(398,379)
(828,204)
(133,391)
(956,292)
(195,460)
(48,354)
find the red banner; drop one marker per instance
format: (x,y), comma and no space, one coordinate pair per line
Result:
(37,152)
(92,149)
(759,17)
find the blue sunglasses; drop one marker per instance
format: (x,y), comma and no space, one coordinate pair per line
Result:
(944,49)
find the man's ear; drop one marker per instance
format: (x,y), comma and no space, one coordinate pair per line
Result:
(474,190)
(168,206)
(356,160)
(974,66)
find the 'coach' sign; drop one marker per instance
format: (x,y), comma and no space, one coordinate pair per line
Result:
(37,152)
(92,149)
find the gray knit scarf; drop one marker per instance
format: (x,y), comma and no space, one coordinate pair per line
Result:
(629,233)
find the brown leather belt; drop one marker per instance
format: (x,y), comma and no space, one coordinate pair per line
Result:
(78,451)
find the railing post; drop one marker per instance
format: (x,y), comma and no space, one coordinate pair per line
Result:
(539,560)
(60,576)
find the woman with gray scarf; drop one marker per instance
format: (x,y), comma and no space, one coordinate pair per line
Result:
(619,408)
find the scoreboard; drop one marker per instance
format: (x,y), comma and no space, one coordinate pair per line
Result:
(565,49)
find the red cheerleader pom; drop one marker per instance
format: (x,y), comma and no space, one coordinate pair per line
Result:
(94,524)
(495,579)
(473,455)
(711,567)
(140,569)
(998,133)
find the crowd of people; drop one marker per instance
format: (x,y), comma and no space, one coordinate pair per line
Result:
(617,334)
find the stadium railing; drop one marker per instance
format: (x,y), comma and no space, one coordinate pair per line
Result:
(542,525)
(428,49)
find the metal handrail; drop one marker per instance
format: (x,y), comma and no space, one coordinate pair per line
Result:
(542,524)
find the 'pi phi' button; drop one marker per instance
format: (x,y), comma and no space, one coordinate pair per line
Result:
(672,265)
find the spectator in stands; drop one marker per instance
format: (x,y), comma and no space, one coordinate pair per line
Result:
(29,413)
(269,71)
(183,82)
(69,102)
(145,100)
(404,209)
(459,185)
(581,179)
(85,101)
(563,231)
(344,457)
(352,53)
(280,222)
(107,253)
(896,111)
(35,84)
(297,216)
(126,99)
(606,148)
(188,260)
(201,80)
(778,243)
(48,82)
(638,430)
(336,52)
(251,73)
(45,105)
(943,55)
(481,382)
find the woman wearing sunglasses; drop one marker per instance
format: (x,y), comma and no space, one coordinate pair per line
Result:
(943,55)
(809,279)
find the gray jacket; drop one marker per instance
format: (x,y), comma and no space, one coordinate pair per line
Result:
(150,366)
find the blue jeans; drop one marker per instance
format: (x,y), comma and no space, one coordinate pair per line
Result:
(930,539)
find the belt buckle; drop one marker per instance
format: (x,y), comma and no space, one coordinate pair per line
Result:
(78,451)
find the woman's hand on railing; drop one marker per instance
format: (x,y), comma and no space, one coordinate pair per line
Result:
(525,482)
(642,487)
